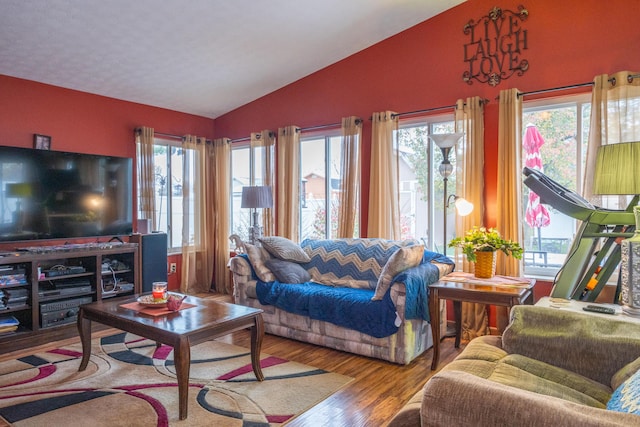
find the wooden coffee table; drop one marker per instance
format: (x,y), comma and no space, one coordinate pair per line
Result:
(190,326)
(486,293)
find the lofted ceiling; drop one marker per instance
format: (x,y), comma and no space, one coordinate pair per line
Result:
(204,57)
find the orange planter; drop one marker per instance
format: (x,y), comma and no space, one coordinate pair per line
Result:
(485,265)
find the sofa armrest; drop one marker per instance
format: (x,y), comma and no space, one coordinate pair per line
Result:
(454,398)
(593,346)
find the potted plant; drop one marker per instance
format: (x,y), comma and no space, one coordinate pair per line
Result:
(483,243)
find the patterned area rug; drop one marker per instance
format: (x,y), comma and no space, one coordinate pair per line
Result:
(130,382)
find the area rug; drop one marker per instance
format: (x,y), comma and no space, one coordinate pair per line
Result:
(130,382)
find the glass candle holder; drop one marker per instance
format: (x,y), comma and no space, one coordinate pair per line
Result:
(159,291)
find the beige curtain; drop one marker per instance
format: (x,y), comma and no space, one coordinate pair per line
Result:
(205,219)
(384,202)
(146,176)
(470,185)
(288,183)
(615,114)
(266,140)
(509,191)
(219,211)
(349,198)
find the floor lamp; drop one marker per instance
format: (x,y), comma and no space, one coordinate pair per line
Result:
(256,197)
(445,142)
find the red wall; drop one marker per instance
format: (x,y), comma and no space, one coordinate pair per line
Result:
(82,122)
(85,123)
(569,42)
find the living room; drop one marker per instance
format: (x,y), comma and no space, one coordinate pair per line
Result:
(567,43)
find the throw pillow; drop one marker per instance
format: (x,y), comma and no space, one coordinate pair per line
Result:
(626,398)
(287,271)
(257,257)
(284,249)
(403,258)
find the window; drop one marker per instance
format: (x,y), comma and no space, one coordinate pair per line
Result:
(169,160)
(320,186)
(421,186)
(246,170)
(563,124)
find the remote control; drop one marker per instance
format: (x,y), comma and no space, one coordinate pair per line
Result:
(599,309)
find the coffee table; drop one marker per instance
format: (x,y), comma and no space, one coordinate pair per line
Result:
(205,321)
(483,293)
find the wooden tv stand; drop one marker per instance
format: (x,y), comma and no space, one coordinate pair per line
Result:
(55,281)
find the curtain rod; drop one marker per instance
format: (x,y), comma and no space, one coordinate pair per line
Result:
(554,89)
(137,131)
(630,78)
(428,110)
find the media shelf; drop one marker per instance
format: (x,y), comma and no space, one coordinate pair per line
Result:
(53,281)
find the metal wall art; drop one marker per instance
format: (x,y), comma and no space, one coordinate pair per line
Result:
(495,47)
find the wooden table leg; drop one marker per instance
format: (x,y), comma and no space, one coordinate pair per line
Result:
(84,330)
(434,317)
(182,359)
(257,333)
(457,313)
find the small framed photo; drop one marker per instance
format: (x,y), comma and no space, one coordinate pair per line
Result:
(41,142)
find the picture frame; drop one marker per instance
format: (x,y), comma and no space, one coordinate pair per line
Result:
(41,142)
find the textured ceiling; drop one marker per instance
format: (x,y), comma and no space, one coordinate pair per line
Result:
(204,57)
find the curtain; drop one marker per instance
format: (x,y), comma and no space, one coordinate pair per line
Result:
(384,202)
(509,193)
(205,217)
(470,185)
(219,173)
(615,113)
(265,140)
(288,183)
(349,197)
(146,176)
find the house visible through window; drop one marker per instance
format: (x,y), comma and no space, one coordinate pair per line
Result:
(562,126)
(320,186)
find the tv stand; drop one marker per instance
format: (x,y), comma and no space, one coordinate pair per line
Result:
(46,285)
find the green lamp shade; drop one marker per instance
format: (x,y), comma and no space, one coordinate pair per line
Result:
(618,169)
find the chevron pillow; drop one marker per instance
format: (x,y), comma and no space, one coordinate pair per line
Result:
(354,263)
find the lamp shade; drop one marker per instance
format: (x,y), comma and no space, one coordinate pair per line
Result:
(463,206)
(446,140)
(617,169)
(257,197)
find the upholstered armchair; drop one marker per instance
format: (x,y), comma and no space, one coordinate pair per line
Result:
(551,367)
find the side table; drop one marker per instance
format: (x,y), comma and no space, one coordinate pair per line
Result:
(500,290)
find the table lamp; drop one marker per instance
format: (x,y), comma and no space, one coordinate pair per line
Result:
(617,174)
(256,197)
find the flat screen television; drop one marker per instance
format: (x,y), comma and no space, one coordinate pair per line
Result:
(58,195)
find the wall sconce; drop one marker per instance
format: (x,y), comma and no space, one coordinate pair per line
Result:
(257,197)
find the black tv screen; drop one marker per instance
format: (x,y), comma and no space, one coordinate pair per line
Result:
(58,195)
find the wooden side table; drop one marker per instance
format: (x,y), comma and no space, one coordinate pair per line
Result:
(484,291)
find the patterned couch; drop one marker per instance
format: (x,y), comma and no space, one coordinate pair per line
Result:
(377,271)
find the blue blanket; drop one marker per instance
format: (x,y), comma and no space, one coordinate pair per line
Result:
(353,308)
(347,307)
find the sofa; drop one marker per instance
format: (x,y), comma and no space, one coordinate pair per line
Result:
(364,296)
(551,367)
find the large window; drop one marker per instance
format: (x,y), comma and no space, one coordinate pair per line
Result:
(563,125)
(246,170)
(421,186)
(169,160)
(320,186)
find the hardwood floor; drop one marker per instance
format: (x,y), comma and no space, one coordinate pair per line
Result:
(376,394)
